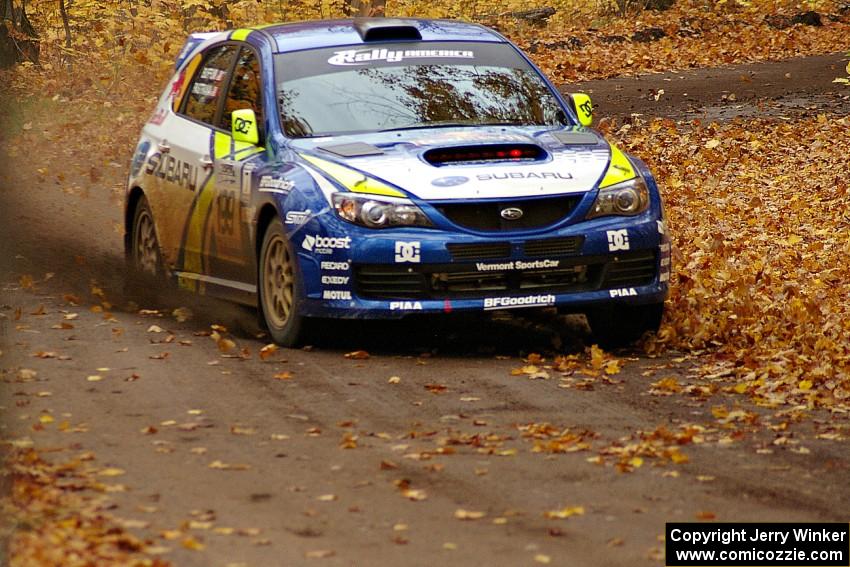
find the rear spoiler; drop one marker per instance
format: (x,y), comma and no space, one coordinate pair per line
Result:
(193,41)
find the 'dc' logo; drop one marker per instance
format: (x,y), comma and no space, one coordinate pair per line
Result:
(453,181)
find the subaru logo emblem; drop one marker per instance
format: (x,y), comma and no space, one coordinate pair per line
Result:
(452,181)
(512,213)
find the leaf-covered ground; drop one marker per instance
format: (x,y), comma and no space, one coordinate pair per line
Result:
(758,213)
(58,512)
(684,37)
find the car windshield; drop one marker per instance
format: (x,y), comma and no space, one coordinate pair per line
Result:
(346,90)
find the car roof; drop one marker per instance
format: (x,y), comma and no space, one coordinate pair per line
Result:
(333,33)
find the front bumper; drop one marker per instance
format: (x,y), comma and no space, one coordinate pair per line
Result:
(358,273)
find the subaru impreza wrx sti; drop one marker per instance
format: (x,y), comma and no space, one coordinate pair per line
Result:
(380,168)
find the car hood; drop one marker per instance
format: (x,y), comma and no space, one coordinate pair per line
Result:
(577,159)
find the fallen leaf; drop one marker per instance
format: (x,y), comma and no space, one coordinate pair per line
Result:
(462,514)
(564,513)
(357,355)
(219,465)
(268,351)
(111,471)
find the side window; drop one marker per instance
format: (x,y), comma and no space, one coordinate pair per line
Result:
(202,102)
(245,89)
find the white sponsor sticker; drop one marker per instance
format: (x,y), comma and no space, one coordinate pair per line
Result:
(364,56)
(405,306)
(625,292)
(515,302)
(665,276)
(297,217)
(661,228)
(407,252)
(325,244)
(618,240)
(336,266)
(272,184)
(336,294)
(335,280)
(525,175)
(516,265)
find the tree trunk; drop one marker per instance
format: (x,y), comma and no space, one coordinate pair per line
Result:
(365,8)
(18,40)
(65,23)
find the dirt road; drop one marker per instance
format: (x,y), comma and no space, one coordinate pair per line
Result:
(309,457)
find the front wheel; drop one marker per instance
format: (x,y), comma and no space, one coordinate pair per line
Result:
(622,325)
(280,288)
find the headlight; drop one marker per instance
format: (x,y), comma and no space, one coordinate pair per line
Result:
(371,212)
(626,199)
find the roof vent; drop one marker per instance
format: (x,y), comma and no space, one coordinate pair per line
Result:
(384,29)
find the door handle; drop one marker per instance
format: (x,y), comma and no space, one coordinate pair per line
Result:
(206,162)
(164,146)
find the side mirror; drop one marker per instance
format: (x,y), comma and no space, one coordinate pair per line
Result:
(243,125)
(583,108)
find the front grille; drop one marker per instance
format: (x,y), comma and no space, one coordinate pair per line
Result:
(485,251)
(487,216)
(637,268)
(388,281)
(486,277)
(554,246)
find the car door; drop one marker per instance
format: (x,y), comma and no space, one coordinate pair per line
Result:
(229,255)
(174,172)
(196,141)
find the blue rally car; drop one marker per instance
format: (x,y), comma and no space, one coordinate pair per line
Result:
(380,168)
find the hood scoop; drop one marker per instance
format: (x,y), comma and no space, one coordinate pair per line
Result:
(356,149)
(576,138)
(460,155)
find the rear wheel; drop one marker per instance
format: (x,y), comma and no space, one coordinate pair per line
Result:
(280,288)
(145,268)
(621,325)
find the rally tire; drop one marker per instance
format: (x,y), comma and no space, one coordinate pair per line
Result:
(621,325)
(145,269)
(280,288)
